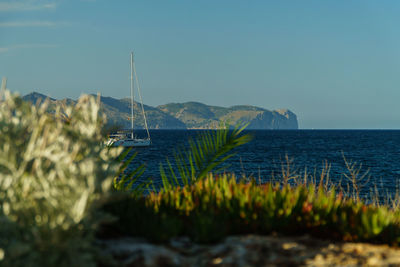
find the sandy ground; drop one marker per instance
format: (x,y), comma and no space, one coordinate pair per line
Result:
(250,250)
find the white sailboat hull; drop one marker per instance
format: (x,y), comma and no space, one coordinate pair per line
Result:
(129,142)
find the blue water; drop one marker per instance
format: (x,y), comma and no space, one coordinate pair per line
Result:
(377,150)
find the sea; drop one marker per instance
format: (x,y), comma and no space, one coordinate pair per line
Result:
(374,154)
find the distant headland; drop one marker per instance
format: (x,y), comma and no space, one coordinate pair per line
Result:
(189,115)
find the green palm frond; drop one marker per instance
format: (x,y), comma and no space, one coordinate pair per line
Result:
(207,153)
(125,181)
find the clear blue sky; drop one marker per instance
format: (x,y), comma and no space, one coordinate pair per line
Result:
(336,64)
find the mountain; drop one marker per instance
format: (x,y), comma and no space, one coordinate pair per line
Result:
(201,116)
(189,115)
(118,112)
(36,97)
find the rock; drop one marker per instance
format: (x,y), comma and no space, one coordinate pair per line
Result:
(250,250)
(289,123)
(200,116)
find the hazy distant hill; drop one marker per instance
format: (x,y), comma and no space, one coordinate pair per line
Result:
(191,115)
(198,115)
(35,97)
(118,111)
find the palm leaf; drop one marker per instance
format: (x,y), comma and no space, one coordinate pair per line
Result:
(125,181)
(208,152)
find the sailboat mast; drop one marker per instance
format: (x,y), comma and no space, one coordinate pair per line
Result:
(132,95)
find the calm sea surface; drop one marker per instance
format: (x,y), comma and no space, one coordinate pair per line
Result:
(377,150)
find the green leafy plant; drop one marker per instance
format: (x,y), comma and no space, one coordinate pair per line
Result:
(126,181)
(216,206)
(54,172)
(208,152)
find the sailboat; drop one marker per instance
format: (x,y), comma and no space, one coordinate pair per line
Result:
(127,138)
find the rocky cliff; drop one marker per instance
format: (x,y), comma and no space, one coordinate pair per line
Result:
(200,116)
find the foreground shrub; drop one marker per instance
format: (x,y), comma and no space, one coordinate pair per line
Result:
(215,207)
(53,174)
